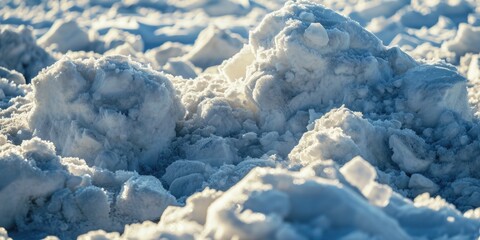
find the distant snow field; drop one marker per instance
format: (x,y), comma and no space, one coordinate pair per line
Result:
(239,119)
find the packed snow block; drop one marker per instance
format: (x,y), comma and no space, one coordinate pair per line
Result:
(21,53)
(359,173)
(143,198)
(214,45)
(410,152)
(268,201)
(64,36)
(113,112)
(430,90)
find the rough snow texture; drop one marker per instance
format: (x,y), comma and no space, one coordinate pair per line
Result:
(112,112)
(314,129)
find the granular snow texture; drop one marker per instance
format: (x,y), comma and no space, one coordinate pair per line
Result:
(165,119)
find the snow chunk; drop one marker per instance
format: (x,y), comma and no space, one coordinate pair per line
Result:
(214,45)
(143,198)
(316,34)
(93,203)
(361,174)
(445,88)
(64,36)
(406,146)
(113,112)
(214,151)
(236,67)
(465,41)
(161,55)
(180,67)
(182,168)
(420,184)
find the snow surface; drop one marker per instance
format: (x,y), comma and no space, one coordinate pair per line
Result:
(205,119)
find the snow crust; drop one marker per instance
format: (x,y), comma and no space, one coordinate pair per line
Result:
(165,119)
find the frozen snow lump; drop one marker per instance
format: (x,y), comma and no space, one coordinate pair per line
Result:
(113,112)
(20,52)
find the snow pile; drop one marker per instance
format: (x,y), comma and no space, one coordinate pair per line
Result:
(112,112)
(314,129)
(20,52)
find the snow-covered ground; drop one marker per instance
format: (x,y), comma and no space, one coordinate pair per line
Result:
(240,119)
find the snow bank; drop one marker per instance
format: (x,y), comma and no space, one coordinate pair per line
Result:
(112,112)
(20,52)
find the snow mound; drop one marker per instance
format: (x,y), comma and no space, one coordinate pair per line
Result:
(112,112)
(309,57)
(20,52)
(64,36)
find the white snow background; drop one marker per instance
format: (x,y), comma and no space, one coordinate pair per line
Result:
(239,119)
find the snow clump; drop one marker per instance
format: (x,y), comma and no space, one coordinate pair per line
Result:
(113,112)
